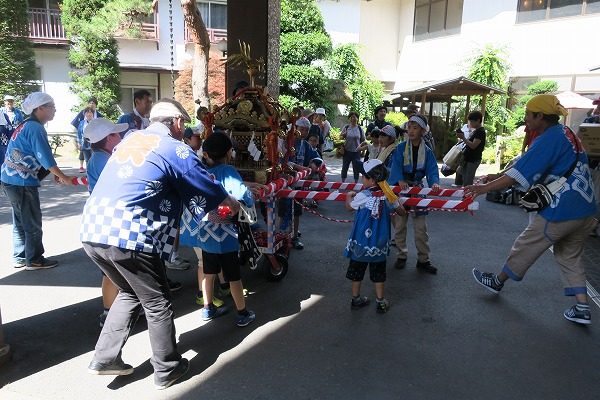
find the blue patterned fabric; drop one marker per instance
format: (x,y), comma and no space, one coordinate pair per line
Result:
(216,235)
(138,199)
(28,150)
(549,157)
(370,234)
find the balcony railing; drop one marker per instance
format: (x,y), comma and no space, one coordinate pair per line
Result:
(148,31)
(214,35)
(45,26)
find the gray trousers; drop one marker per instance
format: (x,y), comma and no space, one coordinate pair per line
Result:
(141,279)
(420,233)
(468,172)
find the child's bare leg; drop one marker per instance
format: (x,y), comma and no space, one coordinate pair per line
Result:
(356,288)
(237,292)
(379,290)
(208,288)
(201,278)
(222,278)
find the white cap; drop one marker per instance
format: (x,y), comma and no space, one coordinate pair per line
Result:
(303,122)
(34,100)
(388,130)
(166,107)
(8,97)
(320,110)
(99,128)
(368,165)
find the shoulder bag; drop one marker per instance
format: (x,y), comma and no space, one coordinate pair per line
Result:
(539,196)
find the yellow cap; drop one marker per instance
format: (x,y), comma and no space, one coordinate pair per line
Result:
(547,104)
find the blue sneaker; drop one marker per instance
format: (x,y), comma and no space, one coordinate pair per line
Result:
(243,320)
(213,312)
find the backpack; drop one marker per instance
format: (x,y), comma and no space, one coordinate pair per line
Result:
(429,140)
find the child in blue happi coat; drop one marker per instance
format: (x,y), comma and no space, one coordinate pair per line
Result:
(218,235)
(368,243)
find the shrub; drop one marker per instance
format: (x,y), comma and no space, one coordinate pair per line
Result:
(396,118)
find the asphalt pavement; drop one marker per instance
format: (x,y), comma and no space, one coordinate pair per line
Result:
(445,336)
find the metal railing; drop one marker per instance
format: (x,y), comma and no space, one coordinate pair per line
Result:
(148,32)
(45,26)
(215,35)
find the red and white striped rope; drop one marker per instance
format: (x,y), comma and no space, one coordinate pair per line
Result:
(433,204)
(76,180)
(357,186)
(278,184)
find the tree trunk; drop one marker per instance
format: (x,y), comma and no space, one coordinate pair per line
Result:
(201,40)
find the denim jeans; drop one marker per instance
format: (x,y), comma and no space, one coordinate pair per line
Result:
(27,223)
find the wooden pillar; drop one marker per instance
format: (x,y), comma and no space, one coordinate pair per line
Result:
(256,23)
(445,138)
(467,110)
(483,101)
(423,100)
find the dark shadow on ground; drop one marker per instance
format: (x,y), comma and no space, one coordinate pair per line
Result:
(58,201)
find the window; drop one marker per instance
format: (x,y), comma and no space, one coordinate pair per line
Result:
(50,4)
(126,104)
(214,14)
(436,18)
(538,10)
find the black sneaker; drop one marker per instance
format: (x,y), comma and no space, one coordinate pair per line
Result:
(359,303)
(297,244)
(400,264)
(426,267)
(180,370)
(381,307)
(46,263)
(116,368)
(174,286)
(486,279)
(580,316)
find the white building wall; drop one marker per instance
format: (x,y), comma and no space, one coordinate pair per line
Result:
(54,67)
(380,23)
(557,49)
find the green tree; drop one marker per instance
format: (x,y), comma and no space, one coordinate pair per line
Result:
(304,46)
(489,66)
(91,25)
(517,117)
(17,59)
(345,64)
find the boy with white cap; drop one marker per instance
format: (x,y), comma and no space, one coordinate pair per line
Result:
(368,244)
(412,162)
(104,137)
(318,119)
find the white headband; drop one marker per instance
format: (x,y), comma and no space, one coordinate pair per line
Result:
(34,100)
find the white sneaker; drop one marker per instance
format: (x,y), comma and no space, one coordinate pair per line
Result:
(179,263)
